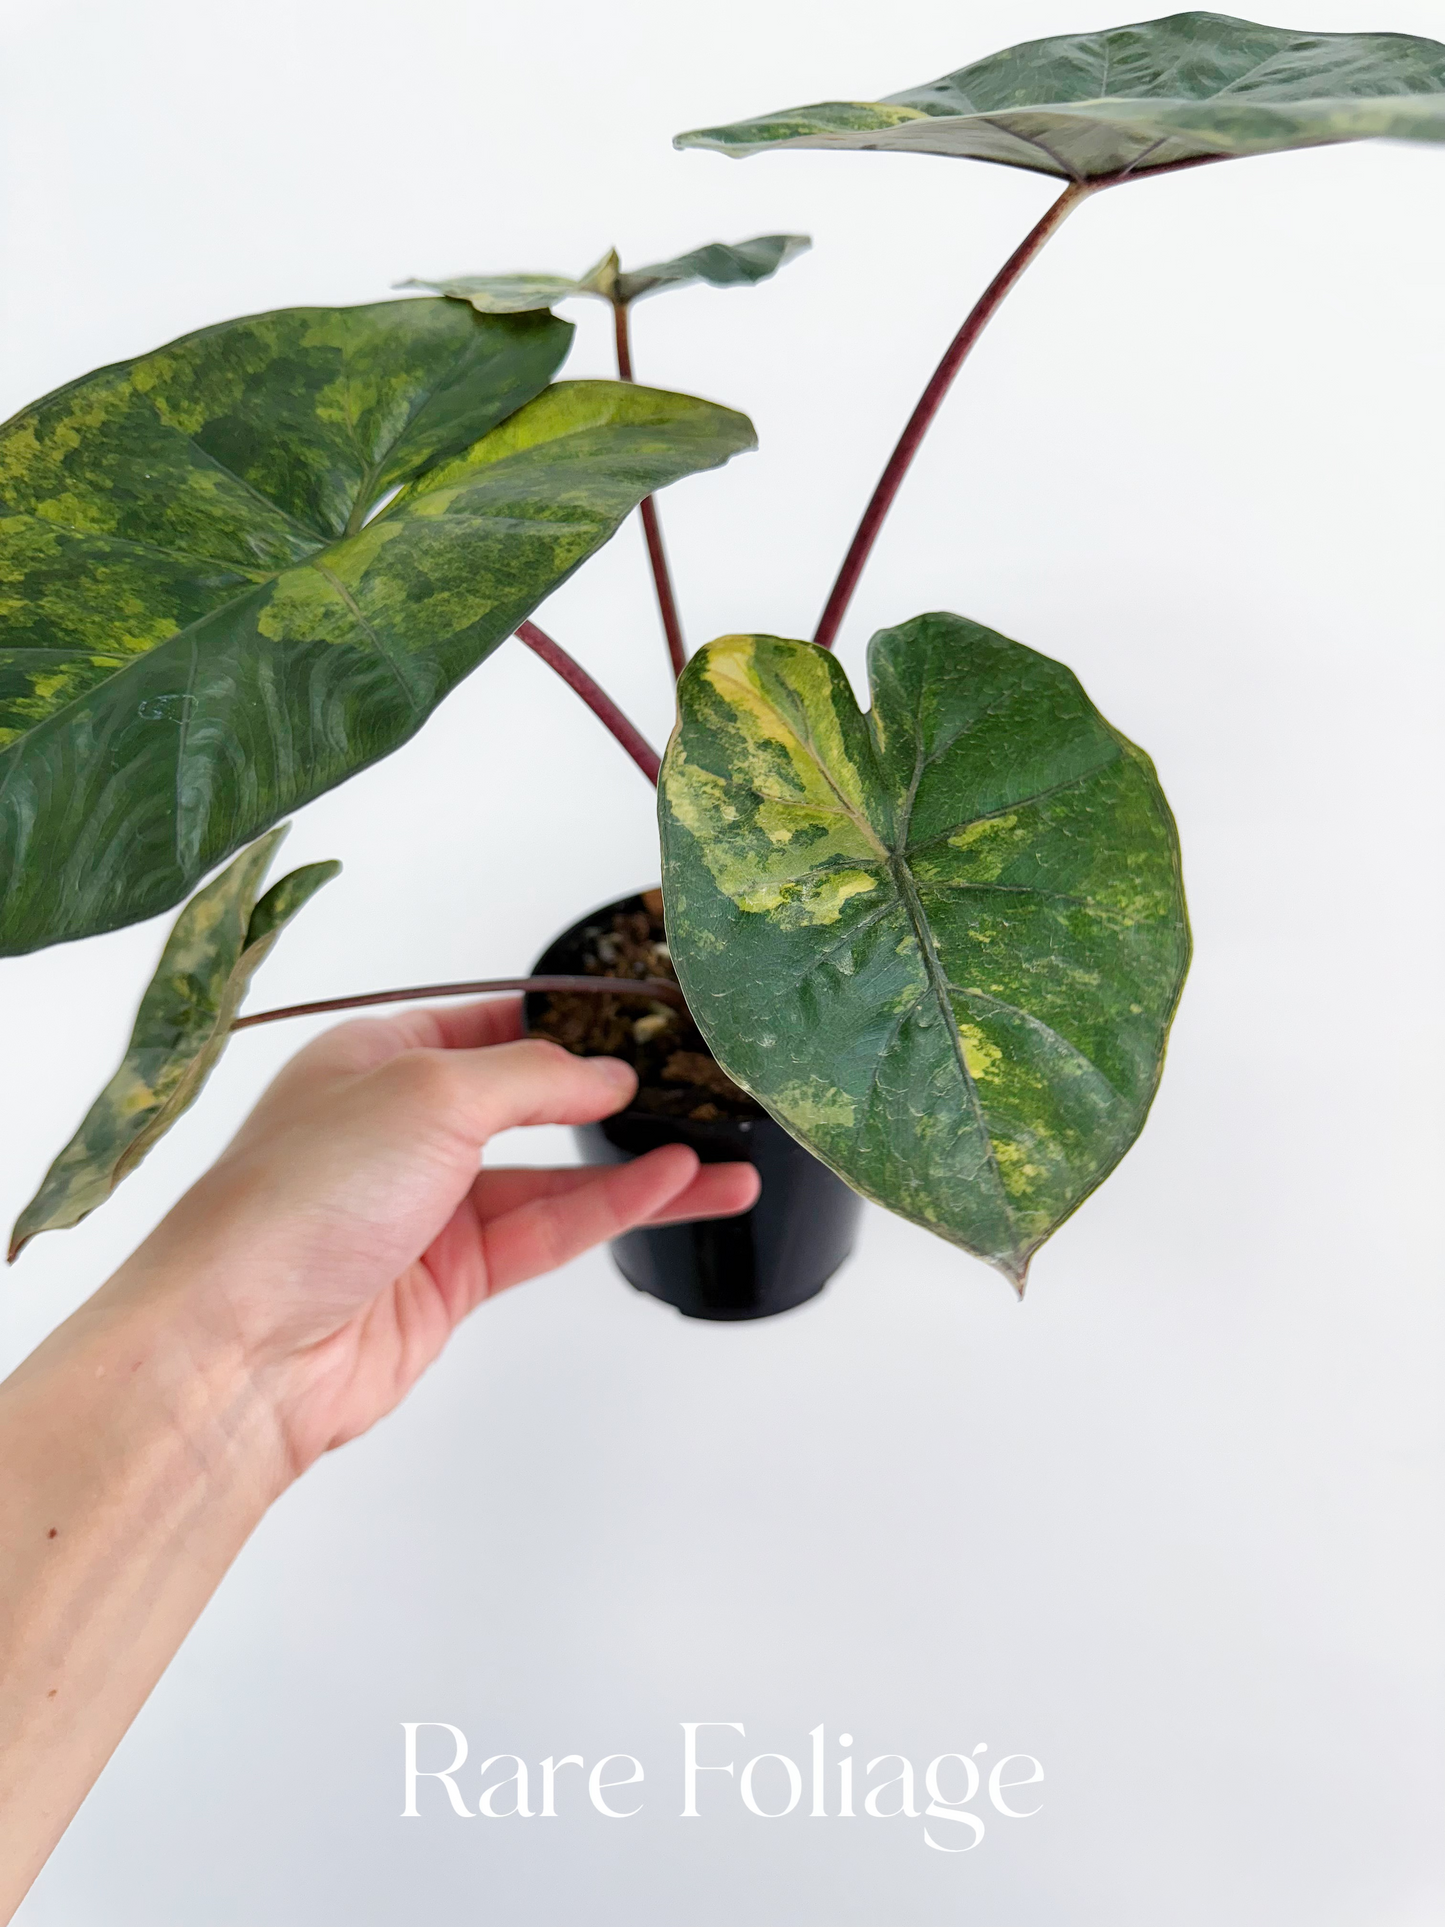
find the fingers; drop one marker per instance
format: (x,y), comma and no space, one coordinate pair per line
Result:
(375,1161)
(502,1188)
(463,1097)
(498,1020)
(363,1044)
(716,1190)
(562,1220)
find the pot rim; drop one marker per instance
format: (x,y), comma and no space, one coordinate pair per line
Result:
(719,1128)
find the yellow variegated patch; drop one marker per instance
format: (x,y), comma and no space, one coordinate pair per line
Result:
(210,611)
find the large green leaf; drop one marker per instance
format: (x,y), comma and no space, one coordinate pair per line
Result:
(201,629)
(723,264)
(941,943)
(217,943)
(1085,106)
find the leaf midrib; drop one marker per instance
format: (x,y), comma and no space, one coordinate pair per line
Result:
(907,890)
(1086,109)
(366,491)
(939,985)
(907,886)
(224,468)
(349,602)
(799,727)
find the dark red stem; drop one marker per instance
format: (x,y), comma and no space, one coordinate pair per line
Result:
(931,399)
(657,989)
(624,343)
(929,403)
(595,697)
(651,526)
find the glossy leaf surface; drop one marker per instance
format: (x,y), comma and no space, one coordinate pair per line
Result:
(217,943)
(942,943)
(1086,106)
(202,625)
(723,264)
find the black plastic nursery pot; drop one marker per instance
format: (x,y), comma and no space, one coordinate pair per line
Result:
(776,1256)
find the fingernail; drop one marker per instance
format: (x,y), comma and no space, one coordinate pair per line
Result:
(621,1076)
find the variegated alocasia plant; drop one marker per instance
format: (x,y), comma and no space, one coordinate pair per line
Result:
(941,942)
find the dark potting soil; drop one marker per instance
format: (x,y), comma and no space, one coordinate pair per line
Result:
(678,1076)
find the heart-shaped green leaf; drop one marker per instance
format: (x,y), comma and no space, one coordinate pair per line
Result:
(200,626)
(941,943)
(1087,106)
(723,264)
(215,947)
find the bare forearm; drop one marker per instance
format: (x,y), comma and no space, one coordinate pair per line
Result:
(289,1301)
(136,1461)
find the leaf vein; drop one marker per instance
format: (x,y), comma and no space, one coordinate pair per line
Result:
(354,607)
(1037,1023)
(1022,803)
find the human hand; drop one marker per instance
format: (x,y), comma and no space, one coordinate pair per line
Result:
(290,1299)
(346,1230)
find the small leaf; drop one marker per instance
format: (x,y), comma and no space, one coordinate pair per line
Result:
(210,614)
(602,279)
(724,264)
(942,943)
(523,293)
(502,293)
(217,943)
(1085,106)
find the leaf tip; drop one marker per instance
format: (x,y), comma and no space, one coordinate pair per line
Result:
(26,1227)
(703,137)
(1016,1270)
(602,277)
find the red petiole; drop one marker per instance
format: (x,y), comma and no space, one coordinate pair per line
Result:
(656,989)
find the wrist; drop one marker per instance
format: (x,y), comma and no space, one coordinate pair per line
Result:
(140,1454)
(174,1333)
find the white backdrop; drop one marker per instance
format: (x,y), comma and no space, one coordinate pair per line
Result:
(1172,1526)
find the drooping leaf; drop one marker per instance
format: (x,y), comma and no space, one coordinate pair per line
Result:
(723,264)
(200,626)
(214,948)
(1085,106)
(941,943)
